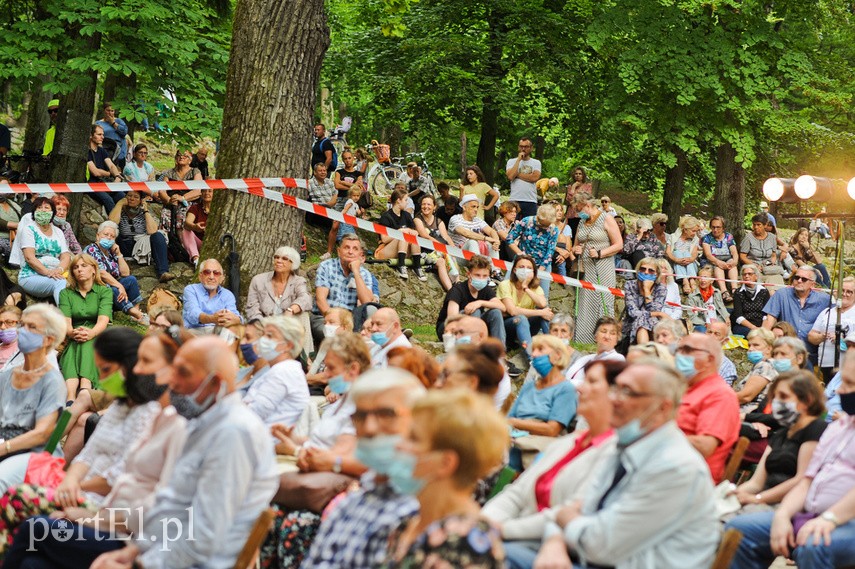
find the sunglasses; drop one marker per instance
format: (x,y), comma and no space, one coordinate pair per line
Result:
(209,272)
(53,111)
(647,271)
(799,278)
(661,223)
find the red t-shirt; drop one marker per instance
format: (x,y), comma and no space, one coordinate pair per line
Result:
(710,407)
(543,486)
(201,217)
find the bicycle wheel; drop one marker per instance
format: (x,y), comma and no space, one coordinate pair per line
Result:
(377,183)
(392,175)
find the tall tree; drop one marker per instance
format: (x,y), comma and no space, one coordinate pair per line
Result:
(271,89)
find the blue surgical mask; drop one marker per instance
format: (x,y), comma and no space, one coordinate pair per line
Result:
(542,365)
(479,284)
(378,453)
(29,342)
(106,243)
(782,365)
(584,216)
(754,356)
(380,338)
(248,351)
(339,385)
(400,474)
(188,407)
(463,340)
(59,222)
(685,364)
(629,433)
(267,348)
(646,277)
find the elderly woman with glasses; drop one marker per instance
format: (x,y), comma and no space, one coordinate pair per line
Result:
(719,249)
(644,298)
(748,302)
(282,291)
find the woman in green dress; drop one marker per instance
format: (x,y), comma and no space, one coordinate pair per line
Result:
(88,306)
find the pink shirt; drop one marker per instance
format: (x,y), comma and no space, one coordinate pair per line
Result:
(543,486)
(832,467)
(710,407)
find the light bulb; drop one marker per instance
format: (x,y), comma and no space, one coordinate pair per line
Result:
(805,187)
(850,189)
(773,189)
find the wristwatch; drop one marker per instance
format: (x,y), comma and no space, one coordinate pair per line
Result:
(830,517)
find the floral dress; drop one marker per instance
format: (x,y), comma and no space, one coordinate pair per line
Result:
(638,310)
(455,542)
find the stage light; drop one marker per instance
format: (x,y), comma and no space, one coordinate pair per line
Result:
(805,187)
(773,189)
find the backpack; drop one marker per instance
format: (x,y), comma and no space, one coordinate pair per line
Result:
(334,162)
(366,200)
(160,297)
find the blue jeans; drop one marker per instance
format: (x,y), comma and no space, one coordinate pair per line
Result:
(754,550)
(158,250)
(522,329)
(527,209)
(825,278)
(42,287)
(495,323)
(132,288)
(52,546)
(739,330)
(521,554)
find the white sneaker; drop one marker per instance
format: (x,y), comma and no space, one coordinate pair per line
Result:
(402,272)
(420,274)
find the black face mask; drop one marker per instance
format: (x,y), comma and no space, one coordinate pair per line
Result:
(144,389)
(847,403)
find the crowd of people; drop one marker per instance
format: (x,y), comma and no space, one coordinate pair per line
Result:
(315,398)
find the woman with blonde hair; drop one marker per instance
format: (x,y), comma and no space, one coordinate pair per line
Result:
(683,250)
(752,387)
(87,304)
(597,240)
(456,439)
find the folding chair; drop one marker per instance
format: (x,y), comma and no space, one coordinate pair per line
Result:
(726,549)
(247,556)
(736,458)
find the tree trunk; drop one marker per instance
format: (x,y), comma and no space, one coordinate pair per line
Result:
(68,160)
(38,120)
(271,89)
(463,152)
(672,198)
(486,157)
(729,197)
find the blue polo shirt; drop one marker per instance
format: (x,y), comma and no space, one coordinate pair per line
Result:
(786,307)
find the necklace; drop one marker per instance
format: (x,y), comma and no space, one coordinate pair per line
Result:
(20,368)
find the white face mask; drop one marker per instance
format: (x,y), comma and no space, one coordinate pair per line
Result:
(330,330)
(448,342)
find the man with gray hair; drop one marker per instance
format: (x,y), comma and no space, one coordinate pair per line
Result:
(709,413)
(356,533)
(650,502)
(207,303)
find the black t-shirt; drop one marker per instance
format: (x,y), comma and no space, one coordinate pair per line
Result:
(202,165)
(389,219)
(782,462)
(446,217)
(99,158)
(460,294)
(347,176)
(319,149)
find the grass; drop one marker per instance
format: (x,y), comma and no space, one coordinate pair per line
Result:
(422,332)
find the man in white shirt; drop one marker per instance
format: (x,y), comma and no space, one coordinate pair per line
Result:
(651,501)
(523,172)
(471,330)
(386,333)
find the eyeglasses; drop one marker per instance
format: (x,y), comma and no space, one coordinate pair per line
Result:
(384,415)
(844,292)
(142,152)
(604,202)
(749,275)
(799,278)
(647,270)
(209,272)
(622,393)
(661,223)
(53,111)
(716,227)
(14,323)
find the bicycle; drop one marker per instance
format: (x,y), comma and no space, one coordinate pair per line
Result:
(337,135)
(425,169)
(381,177)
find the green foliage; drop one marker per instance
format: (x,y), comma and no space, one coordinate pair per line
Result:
(153,46)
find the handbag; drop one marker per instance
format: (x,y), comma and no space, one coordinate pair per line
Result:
(310,490)
(174,249)
(44,469)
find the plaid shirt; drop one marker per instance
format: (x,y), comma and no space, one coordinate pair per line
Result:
(342,287)
(321,193)
(356,533)
(534,240)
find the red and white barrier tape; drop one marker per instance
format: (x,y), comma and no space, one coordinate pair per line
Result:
(259,187)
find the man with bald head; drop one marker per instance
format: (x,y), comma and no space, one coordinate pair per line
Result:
(709,412)
(386,333)
(207,303)
(470,330)
(721,332)
(223,479)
